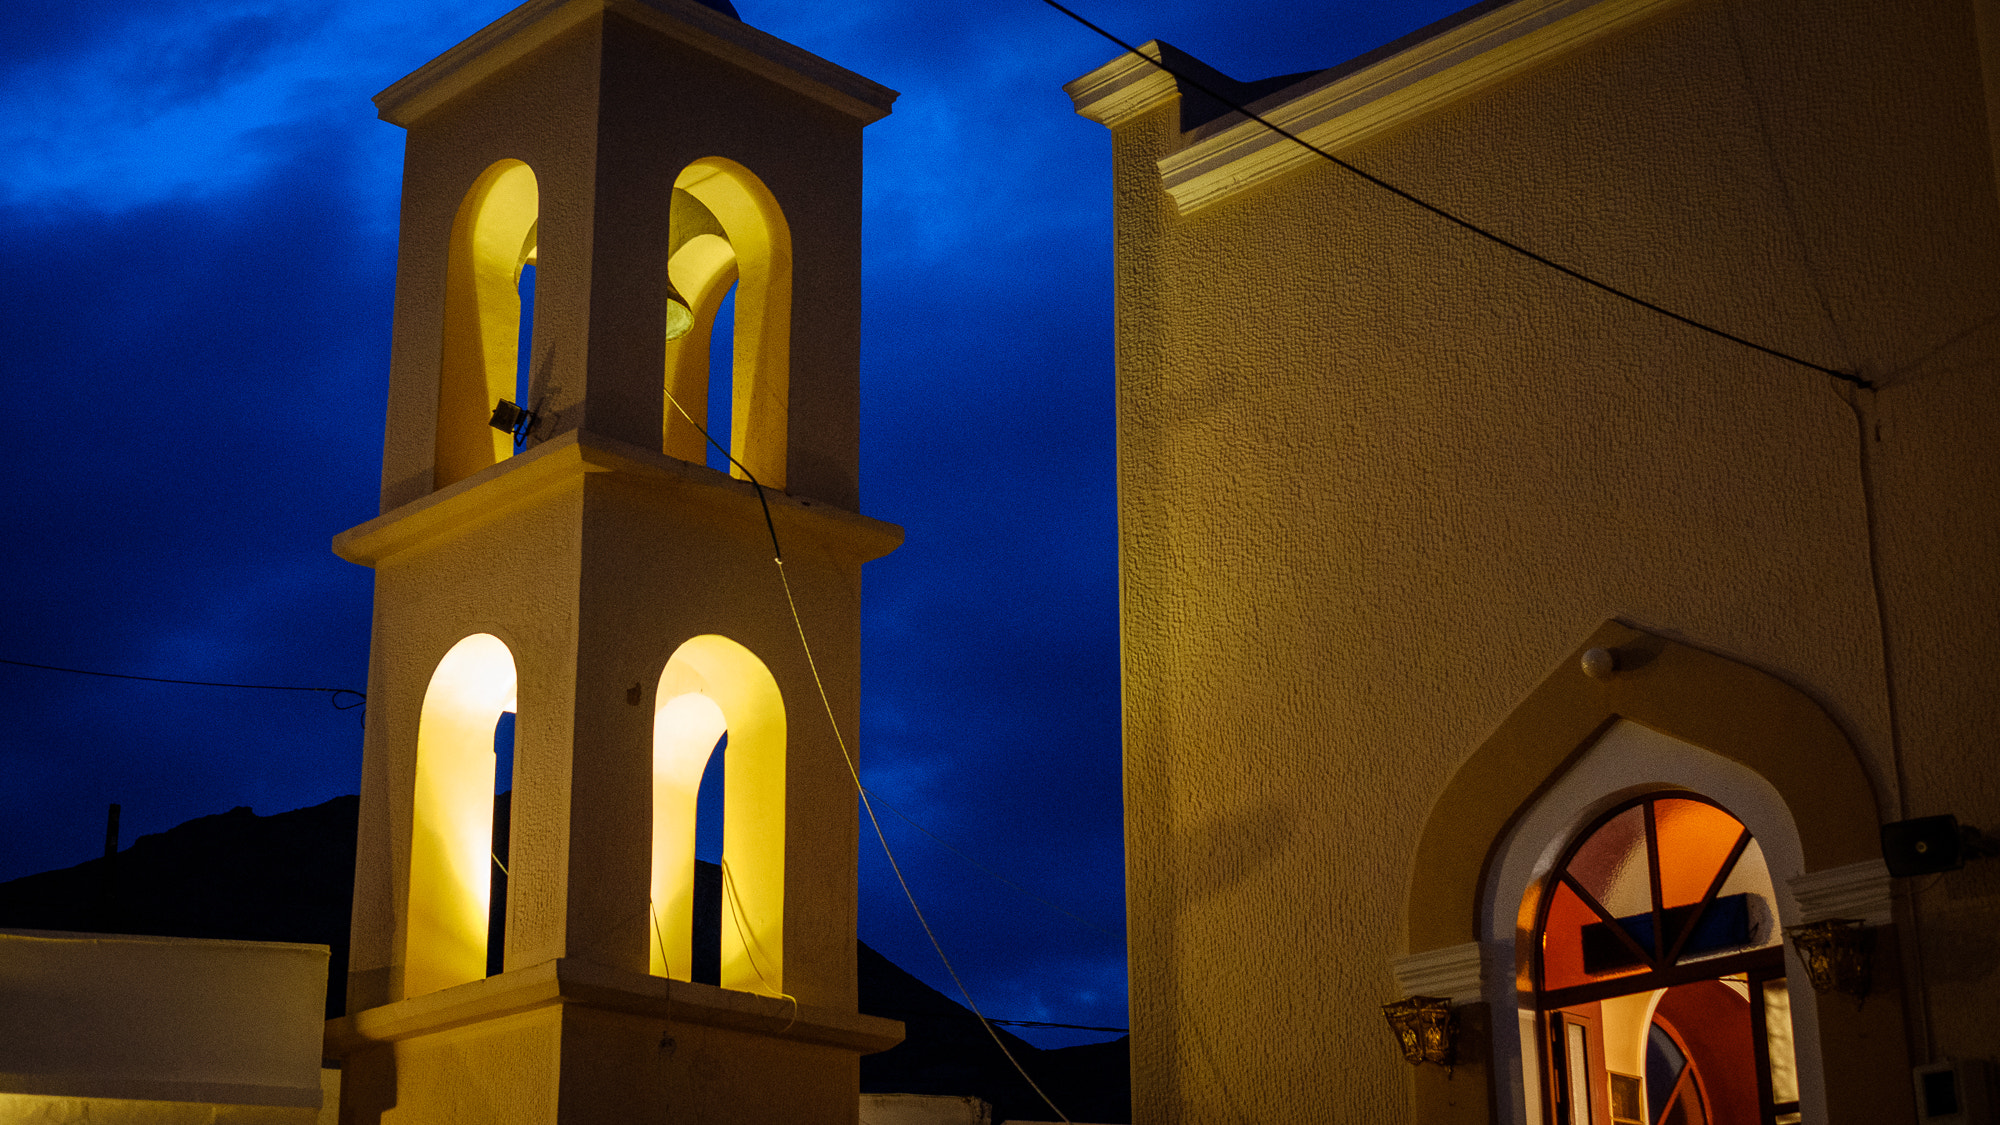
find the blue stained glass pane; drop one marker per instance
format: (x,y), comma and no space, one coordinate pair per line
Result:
(1664,1062)
(1724,925)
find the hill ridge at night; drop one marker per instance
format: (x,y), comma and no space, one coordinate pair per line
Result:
(288,877)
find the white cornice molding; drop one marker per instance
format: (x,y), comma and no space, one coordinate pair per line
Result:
(1351,107)
(1123,88)
(561,460)
(1456,972)
(1858,890)
(536,22)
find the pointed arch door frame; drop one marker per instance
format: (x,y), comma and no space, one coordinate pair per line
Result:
(1715,726)
(1627,761)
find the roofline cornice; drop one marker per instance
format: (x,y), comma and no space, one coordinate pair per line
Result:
(1349,109)
(536,22)
(1346,105)
(1123,88)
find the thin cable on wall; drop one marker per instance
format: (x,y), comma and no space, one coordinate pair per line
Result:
(798,623)
(1450,217)
(746,934)
(333,694)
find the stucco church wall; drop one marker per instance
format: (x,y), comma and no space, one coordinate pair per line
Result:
(1377,474)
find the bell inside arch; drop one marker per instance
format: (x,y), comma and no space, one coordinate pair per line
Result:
(687,219)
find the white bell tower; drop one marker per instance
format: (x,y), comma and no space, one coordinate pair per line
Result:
(596,578)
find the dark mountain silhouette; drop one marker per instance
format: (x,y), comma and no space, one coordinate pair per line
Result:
(290,877)
(945,1050)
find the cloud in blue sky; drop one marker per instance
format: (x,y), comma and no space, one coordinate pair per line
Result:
(199,212)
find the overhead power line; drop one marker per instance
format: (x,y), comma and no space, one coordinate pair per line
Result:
(334,693)
(867,804)
(1450,217)
(955,850)
(1069,1026)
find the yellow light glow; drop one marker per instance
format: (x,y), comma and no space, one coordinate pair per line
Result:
(685,730)
(451,840)
(761,242)
(493,236)
(713,684)
(141,1111)
(702,271)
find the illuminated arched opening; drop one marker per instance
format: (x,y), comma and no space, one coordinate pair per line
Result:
(492,238)
(1658,972)
(712,686)
(728,228)
(451,838)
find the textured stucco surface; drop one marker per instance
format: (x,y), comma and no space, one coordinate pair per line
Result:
(1377,475)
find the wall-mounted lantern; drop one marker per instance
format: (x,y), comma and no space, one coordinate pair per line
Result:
(1837,954)
(1426,1029)
(511,419)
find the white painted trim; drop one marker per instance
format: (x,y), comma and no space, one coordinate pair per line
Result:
(1858,890)
(1123,88)
(1627,761)
(536,22)
(1456,972)
(1352,107)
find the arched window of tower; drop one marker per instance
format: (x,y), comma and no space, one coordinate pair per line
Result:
(493,240)
(452,838)
(711,689)
(728,321)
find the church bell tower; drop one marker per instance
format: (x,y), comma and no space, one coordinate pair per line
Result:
(553,546)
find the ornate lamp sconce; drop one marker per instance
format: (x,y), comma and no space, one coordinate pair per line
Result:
(1837,954)
(1426,1029)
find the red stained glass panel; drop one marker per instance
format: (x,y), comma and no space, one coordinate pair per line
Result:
(1562,942)
(1695,839)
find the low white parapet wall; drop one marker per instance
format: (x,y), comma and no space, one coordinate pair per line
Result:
(923,1109)
(98,1027)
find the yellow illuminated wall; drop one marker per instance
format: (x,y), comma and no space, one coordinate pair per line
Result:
(492,238)
(1378,478)
(712,685)
(755,251)
(452,839)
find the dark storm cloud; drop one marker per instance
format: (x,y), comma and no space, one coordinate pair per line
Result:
(53,32)
(186,456)
(226,51)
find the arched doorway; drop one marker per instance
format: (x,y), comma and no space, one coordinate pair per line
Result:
(1659,972)
(1671,717)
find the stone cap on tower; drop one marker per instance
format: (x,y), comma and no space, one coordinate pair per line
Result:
(536,22)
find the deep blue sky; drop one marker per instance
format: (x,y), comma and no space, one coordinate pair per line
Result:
(198,218)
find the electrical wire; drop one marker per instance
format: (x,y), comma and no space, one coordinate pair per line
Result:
(953,849)
(798,623)
(869,806)
(748,937)
(333,693)
(653,910)
(1070,1026)
(1451,217)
